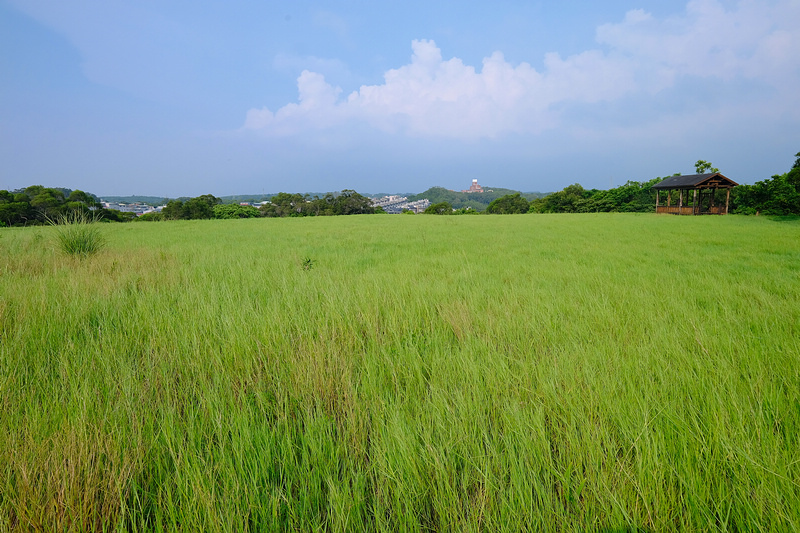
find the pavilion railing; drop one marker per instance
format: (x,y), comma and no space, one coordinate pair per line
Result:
(690,210)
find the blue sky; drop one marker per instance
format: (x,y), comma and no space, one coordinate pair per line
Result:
(184,98)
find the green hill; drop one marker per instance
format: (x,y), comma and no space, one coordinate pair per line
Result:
(235,199)
(476,200)
(150,200)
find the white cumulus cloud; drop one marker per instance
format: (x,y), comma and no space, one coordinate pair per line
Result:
(756,39)
(436,97)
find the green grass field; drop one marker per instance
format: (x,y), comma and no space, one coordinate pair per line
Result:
(404,373)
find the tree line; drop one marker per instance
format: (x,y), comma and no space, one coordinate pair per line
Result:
(778,195)
(631,197)
(347,202)
(36,205)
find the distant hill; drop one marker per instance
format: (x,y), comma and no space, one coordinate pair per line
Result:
(149,200)
(382,194)
(238,198)
(235,199)
(476,200)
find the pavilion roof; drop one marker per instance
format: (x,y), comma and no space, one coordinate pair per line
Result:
(696,181)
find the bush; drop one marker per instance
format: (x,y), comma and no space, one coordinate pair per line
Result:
(149,217)
(508,205)
(227,211)
(442,208)
(78,234)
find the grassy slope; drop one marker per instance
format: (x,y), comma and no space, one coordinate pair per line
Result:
(519,372)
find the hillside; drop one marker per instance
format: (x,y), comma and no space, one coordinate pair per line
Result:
(237,198)
(150,200)
(477,200)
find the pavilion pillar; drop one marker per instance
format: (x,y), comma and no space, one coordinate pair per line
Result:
(680,201)
(694,202)
(727,200)
(658,197)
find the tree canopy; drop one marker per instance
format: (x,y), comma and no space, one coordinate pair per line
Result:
(347,202)
(227,211)
(442,208)
(200,207)
(508,205)
(634,196)
(779,195)
(38,205)
(704,166)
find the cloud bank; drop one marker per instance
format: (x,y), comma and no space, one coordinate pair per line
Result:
(755,44)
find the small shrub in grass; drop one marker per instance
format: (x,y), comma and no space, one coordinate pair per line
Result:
(78,234)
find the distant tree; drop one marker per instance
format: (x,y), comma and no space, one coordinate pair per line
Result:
(285,204)
(46,201)
(779,195)
(114,215)
(173,210)
(570,200)
(774,196)
(704,166)
(349,202)
(793,175)
(508,205)
(13,213)
(38,205)
(150,217)
(633,196)
(88,200)
(442,208)
(227,211)
(200,207)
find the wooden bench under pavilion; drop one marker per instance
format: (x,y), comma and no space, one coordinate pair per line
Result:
(704,191)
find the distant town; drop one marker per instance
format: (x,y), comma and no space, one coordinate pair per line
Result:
(391,204)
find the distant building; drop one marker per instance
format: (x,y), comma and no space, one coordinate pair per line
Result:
(419,206)
(137,208)
(397,204)
(474,187)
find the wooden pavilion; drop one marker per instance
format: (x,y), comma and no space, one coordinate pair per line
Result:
(703,198)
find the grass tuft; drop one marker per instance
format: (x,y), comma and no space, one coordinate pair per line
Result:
(77,234)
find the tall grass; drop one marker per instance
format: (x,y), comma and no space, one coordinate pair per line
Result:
(570,373)
(78,234)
